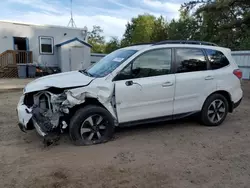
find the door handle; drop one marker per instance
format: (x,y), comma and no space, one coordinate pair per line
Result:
(209,78)
(129,83)
(167,84)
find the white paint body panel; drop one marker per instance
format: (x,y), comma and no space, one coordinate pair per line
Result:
(227,81)
(23,116)
(60,80)
(192,89)
(147,98)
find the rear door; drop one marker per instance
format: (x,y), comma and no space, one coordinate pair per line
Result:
(194,80)
(223,73)
(145,88)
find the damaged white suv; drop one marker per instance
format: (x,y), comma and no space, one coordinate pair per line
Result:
(134,85)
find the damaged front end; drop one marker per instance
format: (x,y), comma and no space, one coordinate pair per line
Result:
(43,111)
(48,111)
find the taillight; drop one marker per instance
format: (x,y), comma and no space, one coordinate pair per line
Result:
(238,73)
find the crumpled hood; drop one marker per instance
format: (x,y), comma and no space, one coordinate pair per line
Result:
(61,80)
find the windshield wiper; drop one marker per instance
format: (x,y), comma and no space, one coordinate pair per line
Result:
(86,73)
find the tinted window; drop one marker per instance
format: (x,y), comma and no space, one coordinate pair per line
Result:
(190,60)
(152,63)
(217,59)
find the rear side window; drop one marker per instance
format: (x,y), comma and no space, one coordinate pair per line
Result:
(190,60)
(217,59)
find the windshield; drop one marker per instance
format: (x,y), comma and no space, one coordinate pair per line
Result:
(110,62)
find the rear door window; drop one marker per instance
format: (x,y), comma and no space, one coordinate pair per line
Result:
(190,60)
(217,59)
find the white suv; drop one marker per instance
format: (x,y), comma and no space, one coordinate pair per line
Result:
(134,85)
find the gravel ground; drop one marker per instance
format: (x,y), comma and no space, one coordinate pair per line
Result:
(175,154)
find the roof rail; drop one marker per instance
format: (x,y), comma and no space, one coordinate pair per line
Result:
(185,42)
(145,43)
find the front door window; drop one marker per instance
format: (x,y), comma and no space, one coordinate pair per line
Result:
(152,63)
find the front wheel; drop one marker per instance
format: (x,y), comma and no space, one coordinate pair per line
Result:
(91,125)
(214,110)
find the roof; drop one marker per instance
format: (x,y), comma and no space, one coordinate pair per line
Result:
(40,25)
(73,40)
(150,46)
(137,47)
(177,44)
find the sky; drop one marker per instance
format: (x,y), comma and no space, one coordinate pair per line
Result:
(111,15)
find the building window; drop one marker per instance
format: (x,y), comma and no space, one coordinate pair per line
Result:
(46,45)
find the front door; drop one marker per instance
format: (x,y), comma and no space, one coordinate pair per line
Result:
(145,88)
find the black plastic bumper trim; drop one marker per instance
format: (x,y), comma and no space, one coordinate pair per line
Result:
(235,105)
(21,126)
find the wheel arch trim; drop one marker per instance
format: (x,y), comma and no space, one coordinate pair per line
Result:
(224,93)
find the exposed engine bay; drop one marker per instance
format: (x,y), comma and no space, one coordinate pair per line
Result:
(46,110)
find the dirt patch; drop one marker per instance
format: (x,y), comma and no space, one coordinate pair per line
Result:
(174,154)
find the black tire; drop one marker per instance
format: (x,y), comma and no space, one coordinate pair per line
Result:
(80,121)
(207,115)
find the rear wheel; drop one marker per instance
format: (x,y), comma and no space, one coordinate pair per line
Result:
(91,125)
(214,110)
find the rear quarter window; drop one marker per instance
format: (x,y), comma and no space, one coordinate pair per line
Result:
(217,59)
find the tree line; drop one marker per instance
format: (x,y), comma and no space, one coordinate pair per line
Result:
(224,22)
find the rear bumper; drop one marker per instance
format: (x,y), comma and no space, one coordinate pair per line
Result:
(235,105)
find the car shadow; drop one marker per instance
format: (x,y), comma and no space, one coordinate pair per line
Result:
(121,132)
(191,121)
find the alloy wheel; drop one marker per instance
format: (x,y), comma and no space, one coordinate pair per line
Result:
(216,111)
(93,128)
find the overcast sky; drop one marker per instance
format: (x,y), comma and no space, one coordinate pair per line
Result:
(111,15)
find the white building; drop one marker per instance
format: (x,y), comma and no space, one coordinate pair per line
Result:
(51,46)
